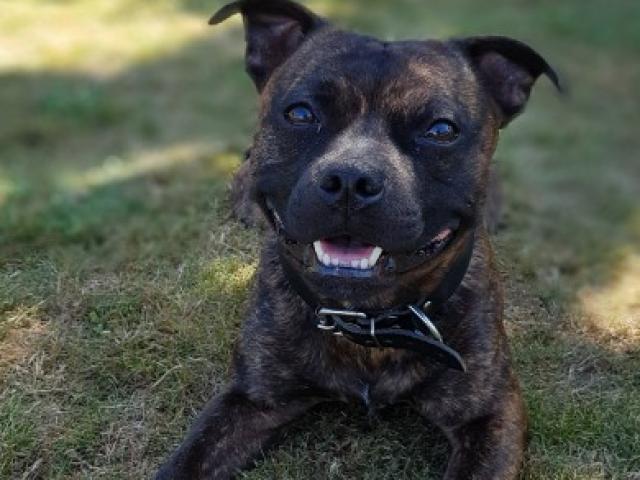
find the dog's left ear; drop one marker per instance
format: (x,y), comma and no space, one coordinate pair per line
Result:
(509,69)
(274,29)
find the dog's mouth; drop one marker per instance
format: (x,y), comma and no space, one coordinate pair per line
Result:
(348,256)
(345,255)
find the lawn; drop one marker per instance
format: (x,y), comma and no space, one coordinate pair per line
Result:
(123,279)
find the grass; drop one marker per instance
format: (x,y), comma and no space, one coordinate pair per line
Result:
(122,280)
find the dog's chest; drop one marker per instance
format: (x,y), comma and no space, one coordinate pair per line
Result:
(375,377)
(377,393)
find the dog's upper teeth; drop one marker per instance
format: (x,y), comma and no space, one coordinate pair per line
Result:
(317,246)
(375,256)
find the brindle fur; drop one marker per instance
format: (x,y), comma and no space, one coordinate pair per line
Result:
(283,366)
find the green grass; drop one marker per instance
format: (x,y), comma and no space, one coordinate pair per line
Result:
(122,280)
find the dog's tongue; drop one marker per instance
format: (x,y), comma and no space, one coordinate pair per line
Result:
(346,252)
(343,248)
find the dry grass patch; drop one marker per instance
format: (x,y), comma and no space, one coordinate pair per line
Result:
(612,312)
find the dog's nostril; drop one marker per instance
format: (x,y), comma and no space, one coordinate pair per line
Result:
(367,187)
(338,187)
(331,184)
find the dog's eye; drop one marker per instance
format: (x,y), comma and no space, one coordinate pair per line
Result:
(441,131)
(300,114)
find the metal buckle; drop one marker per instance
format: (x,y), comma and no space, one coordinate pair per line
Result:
(422,316)
(372,332)
(325,312)
(334,315)
(323,324)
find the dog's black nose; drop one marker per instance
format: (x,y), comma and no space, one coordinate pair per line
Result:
(353,187)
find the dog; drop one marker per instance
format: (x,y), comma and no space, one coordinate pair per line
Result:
(371,166)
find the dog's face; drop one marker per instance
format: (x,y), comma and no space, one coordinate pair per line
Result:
(372,157)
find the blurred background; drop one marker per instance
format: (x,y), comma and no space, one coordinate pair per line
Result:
(122,278)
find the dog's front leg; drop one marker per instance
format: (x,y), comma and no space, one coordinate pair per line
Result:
(490,447)
(230,432)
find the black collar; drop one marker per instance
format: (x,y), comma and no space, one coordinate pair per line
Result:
(407,327)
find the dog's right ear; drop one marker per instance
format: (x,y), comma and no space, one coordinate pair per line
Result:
(509,68)
(274,29)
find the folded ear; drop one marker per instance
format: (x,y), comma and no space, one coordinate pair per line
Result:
(509,69)
(274,29)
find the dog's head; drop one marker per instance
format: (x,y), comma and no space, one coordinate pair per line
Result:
(372,158)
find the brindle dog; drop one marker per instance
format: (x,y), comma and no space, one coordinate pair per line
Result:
(371,166)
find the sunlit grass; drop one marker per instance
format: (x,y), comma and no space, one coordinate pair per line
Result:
(227,277)
(116,169)
(613,309)
(100,36)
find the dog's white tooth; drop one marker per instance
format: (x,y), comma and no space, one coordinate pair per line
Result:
(355,264)
(317,246)
(335,262)
(364,264)
(326,260)
(375,256)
